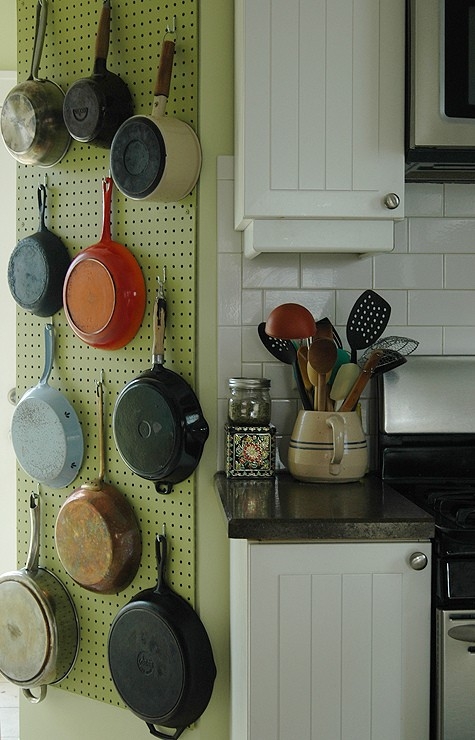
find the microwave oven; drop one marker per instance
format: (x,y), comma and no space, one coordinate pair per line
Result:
(440,90)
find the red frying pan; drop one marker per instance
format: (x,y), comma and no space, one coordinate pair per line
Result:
(104,289)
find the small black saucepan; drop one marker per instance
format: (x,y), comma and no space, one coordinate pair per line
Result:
(96,106)
(160,656)
(159,427)
(37,268)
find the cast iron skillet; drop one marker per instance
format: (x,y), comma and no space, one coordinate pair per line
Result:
(160,656)
(95,107)
(37,268)
(159,427)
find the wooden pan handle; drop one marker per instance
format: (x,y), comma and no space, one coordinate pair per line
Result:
(165,68)
(361,381)
(103,32)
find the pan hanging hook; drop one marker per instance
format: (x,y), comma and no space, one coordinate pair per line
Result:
(172,30)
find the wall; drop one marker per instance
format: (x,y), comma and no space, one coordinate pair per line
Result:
(428,279)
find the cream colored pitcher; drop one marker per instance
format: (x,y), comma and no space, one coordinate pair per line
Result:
(328,446)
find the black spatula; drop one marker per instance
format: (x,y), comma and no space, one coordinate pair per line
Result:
(367,320)
(284,350)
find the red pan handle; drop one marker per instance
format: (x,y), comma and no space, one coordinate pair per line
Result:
(164,74)
(107,185)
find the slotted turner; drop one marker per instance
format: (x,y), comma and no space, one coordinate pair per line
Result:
(367,320)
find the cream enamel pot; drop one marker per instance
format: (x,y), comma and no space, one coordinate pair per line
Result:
(32,122)
(46,433)
(39,629)
(156,157)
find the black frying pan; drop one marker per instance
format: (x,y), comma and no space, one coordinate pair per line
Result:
(160,656)
(96,106)
(159,427)
(37,268)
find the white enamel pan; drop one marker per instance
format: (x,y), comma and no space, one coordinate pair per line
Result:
(46,433)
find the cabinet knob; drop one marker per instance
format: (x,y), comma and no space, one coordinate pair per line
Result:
(391,201)
(418,561)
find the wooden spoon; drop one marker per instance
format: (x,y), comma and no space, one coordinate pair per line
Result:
(322,355)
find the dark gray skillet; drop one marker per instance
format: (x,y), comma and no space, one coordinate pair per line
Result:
(37,268)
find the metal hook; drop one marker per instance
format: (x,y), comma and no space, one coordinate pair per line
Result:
(45,180)
(173,29)
(161,283)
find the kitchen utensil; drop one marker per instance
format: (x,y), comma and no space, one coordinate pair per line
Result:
(389,360)
(31,122)
(284,350)
(403,345)
(156,157)
(367,320)
(159,427)
(39,629)
(363,378)
(327,446)
(344,381)
(290,321)
(104,289)
(160,656)
(95,107)
(37,268)
(46,433)
(302,359)
(96,534)
(322,355)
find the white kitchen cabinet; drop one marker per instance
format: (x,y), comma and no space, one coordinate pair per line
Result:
(330,641)
(319,124)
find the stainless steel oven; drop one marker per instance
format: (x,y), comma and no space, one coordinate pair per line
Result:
(426,446)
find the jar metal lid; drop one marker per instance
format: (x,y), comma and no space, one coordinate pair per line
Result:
(249,383)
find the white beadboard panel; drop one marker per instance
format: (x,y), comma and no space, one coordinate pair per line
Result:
(229,356)
(228,239)
(460,271)
(229,290)
(271,271)
(397,299)
(459,200)
(424,199)
(335,271)
(408,271)
(459,340)
(442,307)
(319,302)
(252,309)
(441,235)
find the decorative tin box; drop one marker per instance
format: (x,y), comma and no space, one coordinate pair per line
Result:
(250,451)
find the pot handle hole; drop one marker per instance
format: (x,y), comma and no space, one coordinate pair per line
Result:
(35,698)
(163,735)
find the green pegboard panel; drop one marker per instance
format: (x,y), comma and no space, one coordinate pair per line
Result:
(160,236)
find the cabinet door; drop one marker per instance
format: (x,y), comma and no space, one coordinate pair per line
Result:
(320,108)
(339,642)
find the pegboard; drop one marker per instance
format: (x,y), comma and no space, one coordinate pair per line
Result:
(159,236)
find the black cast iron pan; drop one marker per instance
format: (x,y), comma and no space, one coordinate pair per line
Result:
(96,106)
(37,268)
(160,656)
(159,427)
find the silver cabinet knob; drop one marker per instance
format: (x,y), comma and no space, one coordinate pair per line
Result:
(418,560)
(391,201)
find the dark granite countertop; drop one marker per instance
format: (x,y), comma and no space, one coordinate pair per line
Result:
(285,509)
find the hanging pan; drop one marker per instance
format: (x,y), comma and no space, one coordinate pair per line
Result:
(46,433)
(32,122)
(159,427)
(95,107)
(104,289)
(39,629)
(97,535)
(160,656)
(156,157)
(37,268)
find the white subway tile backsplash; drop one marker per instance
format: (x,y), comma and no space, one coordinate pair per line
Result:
(442,307)
(400,271)
(441,235)
(460,271)
(427,279)
(335,271)
(424,199)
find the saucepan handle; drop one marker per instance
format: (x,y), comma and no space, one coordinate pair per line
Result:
(163,735)
(35,698)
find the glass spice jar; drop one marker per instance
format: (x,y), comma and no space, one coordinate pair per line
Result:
(249,402)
